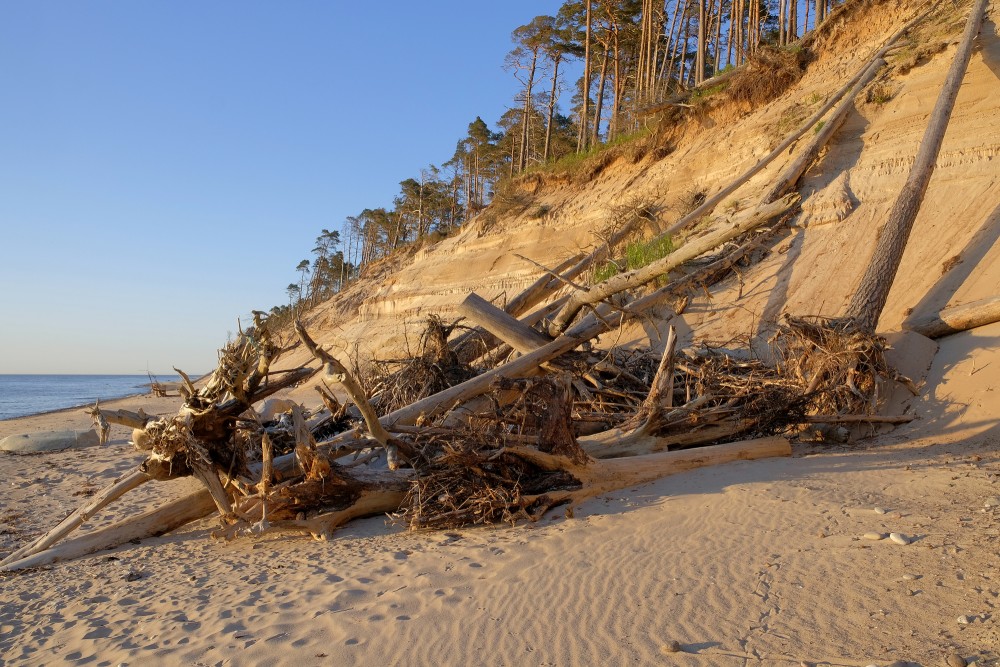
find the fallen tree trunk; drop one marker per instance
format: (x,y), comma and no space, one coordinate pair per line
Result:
(553,280)
(124,417)
(115,490)
(512,331)
(956,318)
(608,475)
(870,298)
(536,292)
(154,522)
(687,252)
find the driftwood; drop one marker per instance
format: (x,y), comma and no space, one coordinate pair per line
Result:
(608,475)
(869,300)
(552,281)
(124,417)
(163,519)
(519,335)
(956,318)
(106,496)
(340,373)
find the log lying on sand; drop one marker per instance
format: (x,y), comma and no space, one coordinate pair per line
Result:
(608,475)
(956,318)
(154,522)
(596,477)
(116,490)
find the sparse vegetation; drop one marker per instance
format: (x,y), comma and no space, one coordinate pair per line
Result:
(879,93)
(637,255)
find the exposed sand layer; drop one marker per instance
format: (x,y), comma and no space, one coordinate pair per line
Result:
(762,562)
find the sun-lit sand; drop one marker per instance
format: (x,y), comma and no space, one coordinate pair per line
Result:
(770,562)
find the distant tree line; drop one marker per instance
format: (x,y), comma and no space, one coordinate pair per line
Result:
(633,53)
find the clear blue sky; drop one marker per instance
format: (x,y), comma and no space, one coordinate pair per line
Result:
(165,165)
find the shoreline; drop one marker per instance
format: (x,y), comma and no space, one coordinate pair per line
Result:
(81,406)
(145,389)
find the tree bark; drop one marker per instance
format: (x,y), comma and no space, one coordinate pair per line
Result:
(870,298)
(581,145)
(552,107)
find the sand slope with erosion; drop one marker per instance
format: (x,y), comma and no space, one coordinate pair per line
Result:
(749,563)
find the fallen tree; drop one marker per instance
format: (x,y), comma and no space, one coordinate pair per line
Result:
(517,459)
(956,318)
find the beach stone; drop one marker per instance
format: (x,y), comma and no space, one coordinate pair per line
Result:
(992,501)
(49,441)
(672,646)
(899,538)
(964,620)
(911,577)
(955,660)
(880,510)
(874,536)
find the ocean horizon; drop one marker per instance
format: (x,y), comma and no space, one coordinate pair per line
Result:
(22,395)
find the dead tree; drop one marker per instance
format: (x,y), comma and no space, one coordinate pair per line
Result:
(869,300)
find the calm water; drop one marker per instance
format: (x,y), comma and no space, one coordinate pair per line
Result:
(22,395)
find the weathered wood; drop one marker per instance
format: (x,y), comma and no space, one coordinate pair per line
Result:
(101,499)
(956,318)
(369,503)
(125,417)
(154,522)
(339,372)
(661,393)
(202,469)
(743,223)
(535,292)
(870,298)
(510,330)
(609,475)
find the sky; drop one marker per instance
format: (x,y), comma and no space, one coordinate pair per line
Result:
(164,166)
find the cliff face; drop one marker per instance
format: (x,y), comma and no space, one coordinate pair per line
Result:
(814,268)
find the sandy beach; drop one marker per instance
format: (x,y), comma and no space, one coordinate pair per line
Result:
(763,562)
(884,550)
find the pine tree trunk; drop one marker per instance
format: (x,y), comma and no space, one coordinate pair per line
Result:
(873,292)
(526,114)
(699,59)
(581,144)
(599,102)
(552,109)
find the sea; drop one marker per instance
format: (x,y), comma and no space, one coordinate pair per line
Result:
(22,395)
